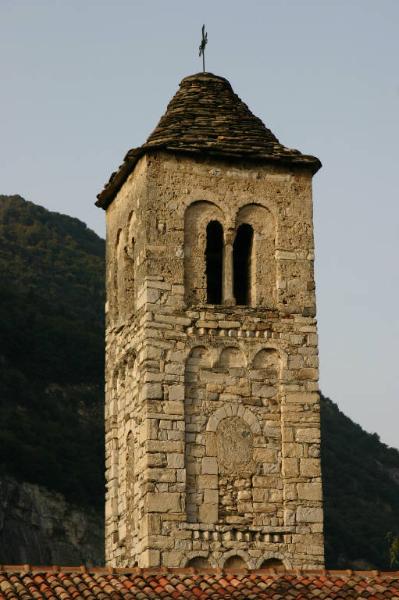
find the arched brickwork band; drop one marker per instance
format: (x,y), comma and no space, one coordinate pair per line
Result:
(234,559)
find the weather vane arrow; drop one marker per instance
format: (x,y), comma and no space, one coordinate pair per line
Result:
(203,43)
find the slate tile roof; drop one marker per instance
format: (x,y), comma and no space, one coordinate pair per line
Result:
(206,117)
(55,583)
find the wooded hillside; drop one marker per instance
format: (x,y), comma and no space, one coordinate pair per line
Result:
(51,350)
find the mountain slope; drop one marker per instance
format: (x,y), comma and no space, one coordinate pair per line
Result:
(39,527)
(51,350)
(361,492)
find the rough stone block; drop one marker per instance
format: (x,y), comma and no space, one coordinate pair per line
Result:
(208,513)
(308,373)
(309,435)
(211,496)
(208,482)
(176,392)
(290,467)
(163,503)
(309,491)
(156,460)
(310,467)
(174,408)
(309,515)
(149,558)
(263,391)
(211,444)
(164,446)
(302,397)
(209,466)
(152,391)
(171,559)
(161,475)
(150,524)
(265,455)
(175,460)
(148,295)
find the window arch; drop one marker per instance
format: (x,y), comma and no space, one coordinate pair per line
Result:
(214,262)
(273,563)
(242,259)
(198,562)
(235,562)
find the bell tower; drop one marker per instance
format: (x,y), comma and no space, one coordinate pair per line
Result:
(212,405)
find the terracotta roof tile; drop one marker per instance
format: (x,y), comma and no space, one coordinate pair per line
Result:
(206,117)
(22,583)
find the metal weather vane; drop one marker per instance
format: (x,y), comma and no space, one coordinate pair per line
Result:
(203,43)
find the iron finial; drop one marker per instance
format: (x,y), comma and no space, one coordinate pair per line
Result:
(203,43)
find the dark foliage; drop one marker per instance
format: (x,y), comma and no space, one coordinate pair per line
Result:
(51,350)
(361,492)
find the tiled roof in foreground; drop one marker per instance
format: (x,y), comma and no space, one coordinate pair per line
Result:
(206,117)
(55,583)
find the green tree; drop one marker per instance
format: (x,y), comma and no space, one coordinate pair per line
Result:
(393,541)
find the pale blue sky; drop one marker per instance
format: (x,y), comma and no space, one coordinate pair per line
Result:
(84,81)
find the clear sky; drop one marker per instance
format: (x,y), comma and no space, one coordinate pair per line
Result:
(82,81)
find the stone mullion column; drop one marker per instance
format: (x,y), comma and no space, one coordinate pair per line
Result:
(228,295)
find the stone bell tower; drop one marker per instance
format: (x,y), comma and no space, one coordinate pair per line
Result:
(212,406)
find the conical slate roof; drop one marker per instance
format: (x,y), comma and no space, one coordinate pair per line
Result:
(206,117)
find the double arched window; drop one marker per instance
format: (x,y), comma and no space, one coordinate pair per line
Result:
(241,266)
(229,259)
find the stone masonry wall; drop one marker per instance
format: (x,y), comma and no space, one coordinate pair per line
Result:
(212,412)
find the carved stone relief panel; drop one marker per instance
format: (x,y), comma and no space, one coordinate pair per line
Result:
(235,446)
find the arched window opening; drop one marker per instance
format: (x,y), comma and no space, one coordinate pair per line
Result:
(214,262)
(273,563)
(198,562)
(242,251)
(235,562)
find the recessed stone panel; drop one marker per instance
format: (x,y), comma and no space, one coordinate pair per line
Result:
(234,447)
